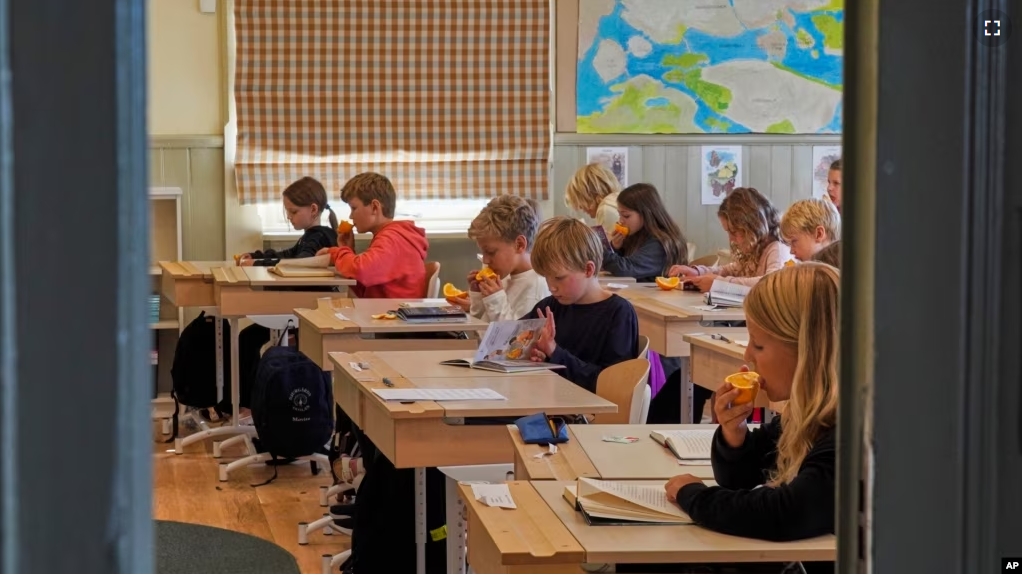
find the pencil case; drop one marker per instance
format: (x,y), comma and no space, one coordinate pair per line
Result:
(540,429)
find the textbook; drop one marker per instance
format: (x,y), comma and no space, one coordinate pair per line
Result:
(439,314)
(313,267)
(621,503)
(726,294)
(506,347)
(686,444)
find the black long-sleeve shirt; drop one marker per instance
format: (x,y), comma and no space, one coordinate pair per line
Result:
(800,509)
(591,337)
(644,264)
(313,240)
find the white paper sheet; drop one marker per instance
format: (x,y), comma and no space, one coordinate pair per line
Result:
(494,495)
(456,394)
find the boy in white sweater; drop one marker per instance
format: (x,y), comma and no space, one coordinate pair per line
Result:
(504,231)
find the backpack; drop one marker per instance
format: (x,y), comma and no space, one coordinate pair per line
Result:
(194,369)
(292,404)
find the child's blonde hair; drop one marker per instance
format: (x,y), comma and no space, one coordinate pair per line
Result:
(506,217)
(798,305)
(589,185)
(748,211)
(369,186)
(804,216)
(565,244)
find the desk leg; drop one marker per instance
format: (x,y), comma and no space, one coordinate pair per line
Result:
(420,519)
(219,359)
(455,528)
(686,390)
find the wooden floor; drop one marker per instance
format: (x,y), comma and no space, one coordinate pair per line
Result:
(185,488)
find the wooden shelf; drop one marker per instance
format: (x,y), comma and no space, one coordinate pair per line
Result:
(155,270)
(165,324)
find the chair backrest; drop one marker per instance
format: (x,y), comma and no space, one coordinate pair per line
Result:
(432,288)
(691,251)
(643,347)
(709,260)
(622,384)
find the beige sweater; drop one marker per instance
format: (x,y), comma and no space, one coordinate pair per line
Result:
(774,257)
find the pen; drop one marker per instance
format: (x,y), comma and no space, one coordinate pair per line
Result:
(388,382)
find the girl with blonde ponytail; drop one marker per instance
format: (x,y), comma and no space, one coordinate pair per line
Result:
(792,316)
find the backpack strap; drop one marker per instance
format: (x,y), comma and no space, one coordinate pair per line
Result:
(270,480)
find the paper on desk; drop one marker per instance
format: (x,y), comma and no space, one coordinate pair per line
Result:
(456,394)
(493,495)
(617,286)
(341,317)
(551,449)
(694,462)
(741,342)
(707,308)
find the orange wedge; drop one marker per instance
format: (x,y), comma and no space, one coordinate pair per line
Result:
(747,384)
(484,273)
(384,316)
(621,229)
(667,284)
(237,259)
(451,291)
(344,227)
(789,263)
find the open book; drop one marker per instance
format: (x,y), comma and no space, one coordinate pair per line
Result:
(620,503)
(686,444)
(314,267)
(727,294)
(506,347)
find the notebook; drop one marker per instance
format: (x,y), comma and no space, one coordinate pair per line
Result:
(444,314)
(686,444)
(506,347)
(620,503)
(726,294)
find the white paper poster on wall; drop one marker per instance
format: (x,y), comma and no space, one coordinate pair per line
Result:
(823,156)
(616,159)
(721,172)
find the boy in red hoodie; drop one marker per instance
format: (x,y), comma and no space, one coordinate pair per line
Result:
(393,264)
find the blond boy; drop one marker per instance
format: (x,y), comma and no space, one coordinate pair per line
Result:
(593,190)
(504,231)
(588,328)
(809,226)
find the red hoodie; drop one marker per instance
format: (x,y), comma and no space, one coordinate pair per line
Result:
(391,267)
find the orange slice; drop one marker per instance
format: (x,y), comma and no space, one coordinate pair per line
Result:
(344,227)
(237,259)
(789,263)
(384,316)
(621,229)
(667,284)
(451,291)
(747,384)
(484,273)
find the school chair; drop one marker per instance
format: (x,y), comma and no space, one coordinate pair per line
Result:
(643,347)
(691,251)
(708,260)
(626,385)
(432,289)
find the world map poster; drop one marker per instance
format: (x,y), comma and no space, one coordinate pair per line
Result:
(710,66)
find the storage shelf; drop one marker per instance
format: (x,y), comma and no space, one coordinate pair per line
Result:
(155,270)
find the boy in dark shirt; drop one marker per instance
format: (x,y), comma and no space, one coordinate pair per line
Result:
(588,328)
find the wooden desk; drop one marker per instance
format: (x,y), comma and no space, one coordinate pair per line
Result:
(713,360)
(347,326)
(674,543)
(587,455)
(189,284)
(544,535)
(644,459)
(666,316)
(432,434)
(253,290)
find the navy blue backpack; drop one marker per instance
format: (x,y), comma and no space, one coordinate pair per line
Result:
(292,404)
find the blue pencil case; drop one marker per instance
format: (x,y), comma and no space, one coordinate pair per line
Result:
(542,430)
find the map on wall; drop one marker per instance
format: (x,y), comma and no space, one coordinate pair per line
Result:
(710,66)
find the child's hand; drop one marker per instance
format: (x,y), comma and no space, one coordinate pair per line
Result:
(473,283)
(323,252)
(616,240)
(346,239)
(732,419)
(545,345)
(246,262)
(462,302)
(703,282)
(490,286)
(674,485)
(682,272)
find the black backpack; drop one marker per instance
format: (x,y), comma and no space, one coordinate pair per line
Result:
(194,368)
(292,404)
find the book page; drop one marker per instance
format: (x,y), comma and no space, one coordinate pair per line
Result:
(512,339)
(648,496)
(455,394)
(494,495)
(690,443)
